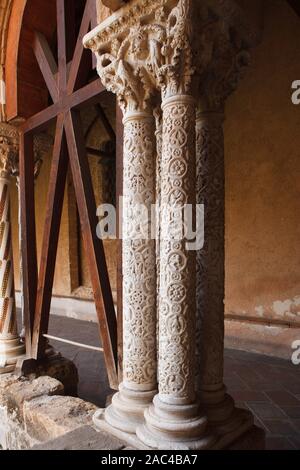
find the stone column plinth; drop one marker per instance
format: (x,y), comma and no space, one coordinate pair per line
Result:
(11,348)
(210,278)
(174,418)
(139,276)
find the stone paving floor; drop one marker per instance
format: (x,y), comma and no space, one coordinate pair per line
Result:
(269,387)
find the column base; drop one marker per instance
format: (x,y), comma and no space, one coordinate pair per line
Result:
(174,427)
(11,350)
(129,439)
(226,421)
(126,411)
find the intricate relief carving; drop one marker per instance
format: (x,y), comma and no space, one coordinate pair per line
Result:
(158,135)
(227,67)
(139,275)
(177,265)
(161,55)
(210,260)
(130,68)
(215,85)
(228,10)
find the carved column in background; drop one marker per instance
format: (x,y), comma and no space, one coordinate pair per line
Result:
(158,135)
(223,74)
(138,253)
(210,260)
(174,417)
(11,348)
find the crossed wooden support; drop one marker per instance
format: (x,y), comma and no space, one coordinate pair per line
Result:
(65,81)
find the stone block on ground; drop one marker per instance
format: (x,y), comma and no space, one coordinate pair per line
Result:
(58,367)
(6,381)
(49,417)
(19,390)
(83,438)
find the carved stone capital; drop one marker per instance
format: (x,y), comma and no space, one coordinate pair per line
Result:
(168,46)
(9,147)
(227,67)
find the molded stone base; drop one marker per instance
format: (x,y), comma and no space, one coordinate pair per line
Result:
(127,409)
(11,350)
(130,439)
(251,439)
(173,426)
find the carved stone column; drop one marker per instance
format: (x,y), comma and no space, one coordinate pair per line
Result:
(174,419)
(224,73)
(159,137)
(11,349)
(139,272)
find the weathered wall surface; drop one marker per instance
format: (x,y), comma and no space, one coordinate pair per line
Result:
(262,176)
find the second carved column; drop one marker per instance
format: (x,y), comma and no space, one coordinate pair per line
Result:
(174,418)
(139,276)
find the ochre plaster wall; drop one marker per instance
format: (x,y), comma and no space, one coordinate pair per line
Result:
(262,135)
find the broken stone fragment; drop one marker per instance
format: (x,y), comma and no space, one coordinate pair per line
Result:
(49,417)
(22,389)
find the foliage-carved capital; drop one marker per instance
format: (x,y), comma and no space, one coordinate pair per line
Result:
(166,46)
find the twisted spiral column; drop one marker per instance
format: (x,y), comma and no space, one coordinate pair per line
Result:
(10,347)
(139,277)
(174,418)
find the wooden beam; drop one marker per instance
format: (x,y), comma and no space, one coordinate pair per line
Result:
(46,63)
(86,95)
(81,63)
(54,205)
(61,45)
(93,245)
(295,4)
(41,120)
